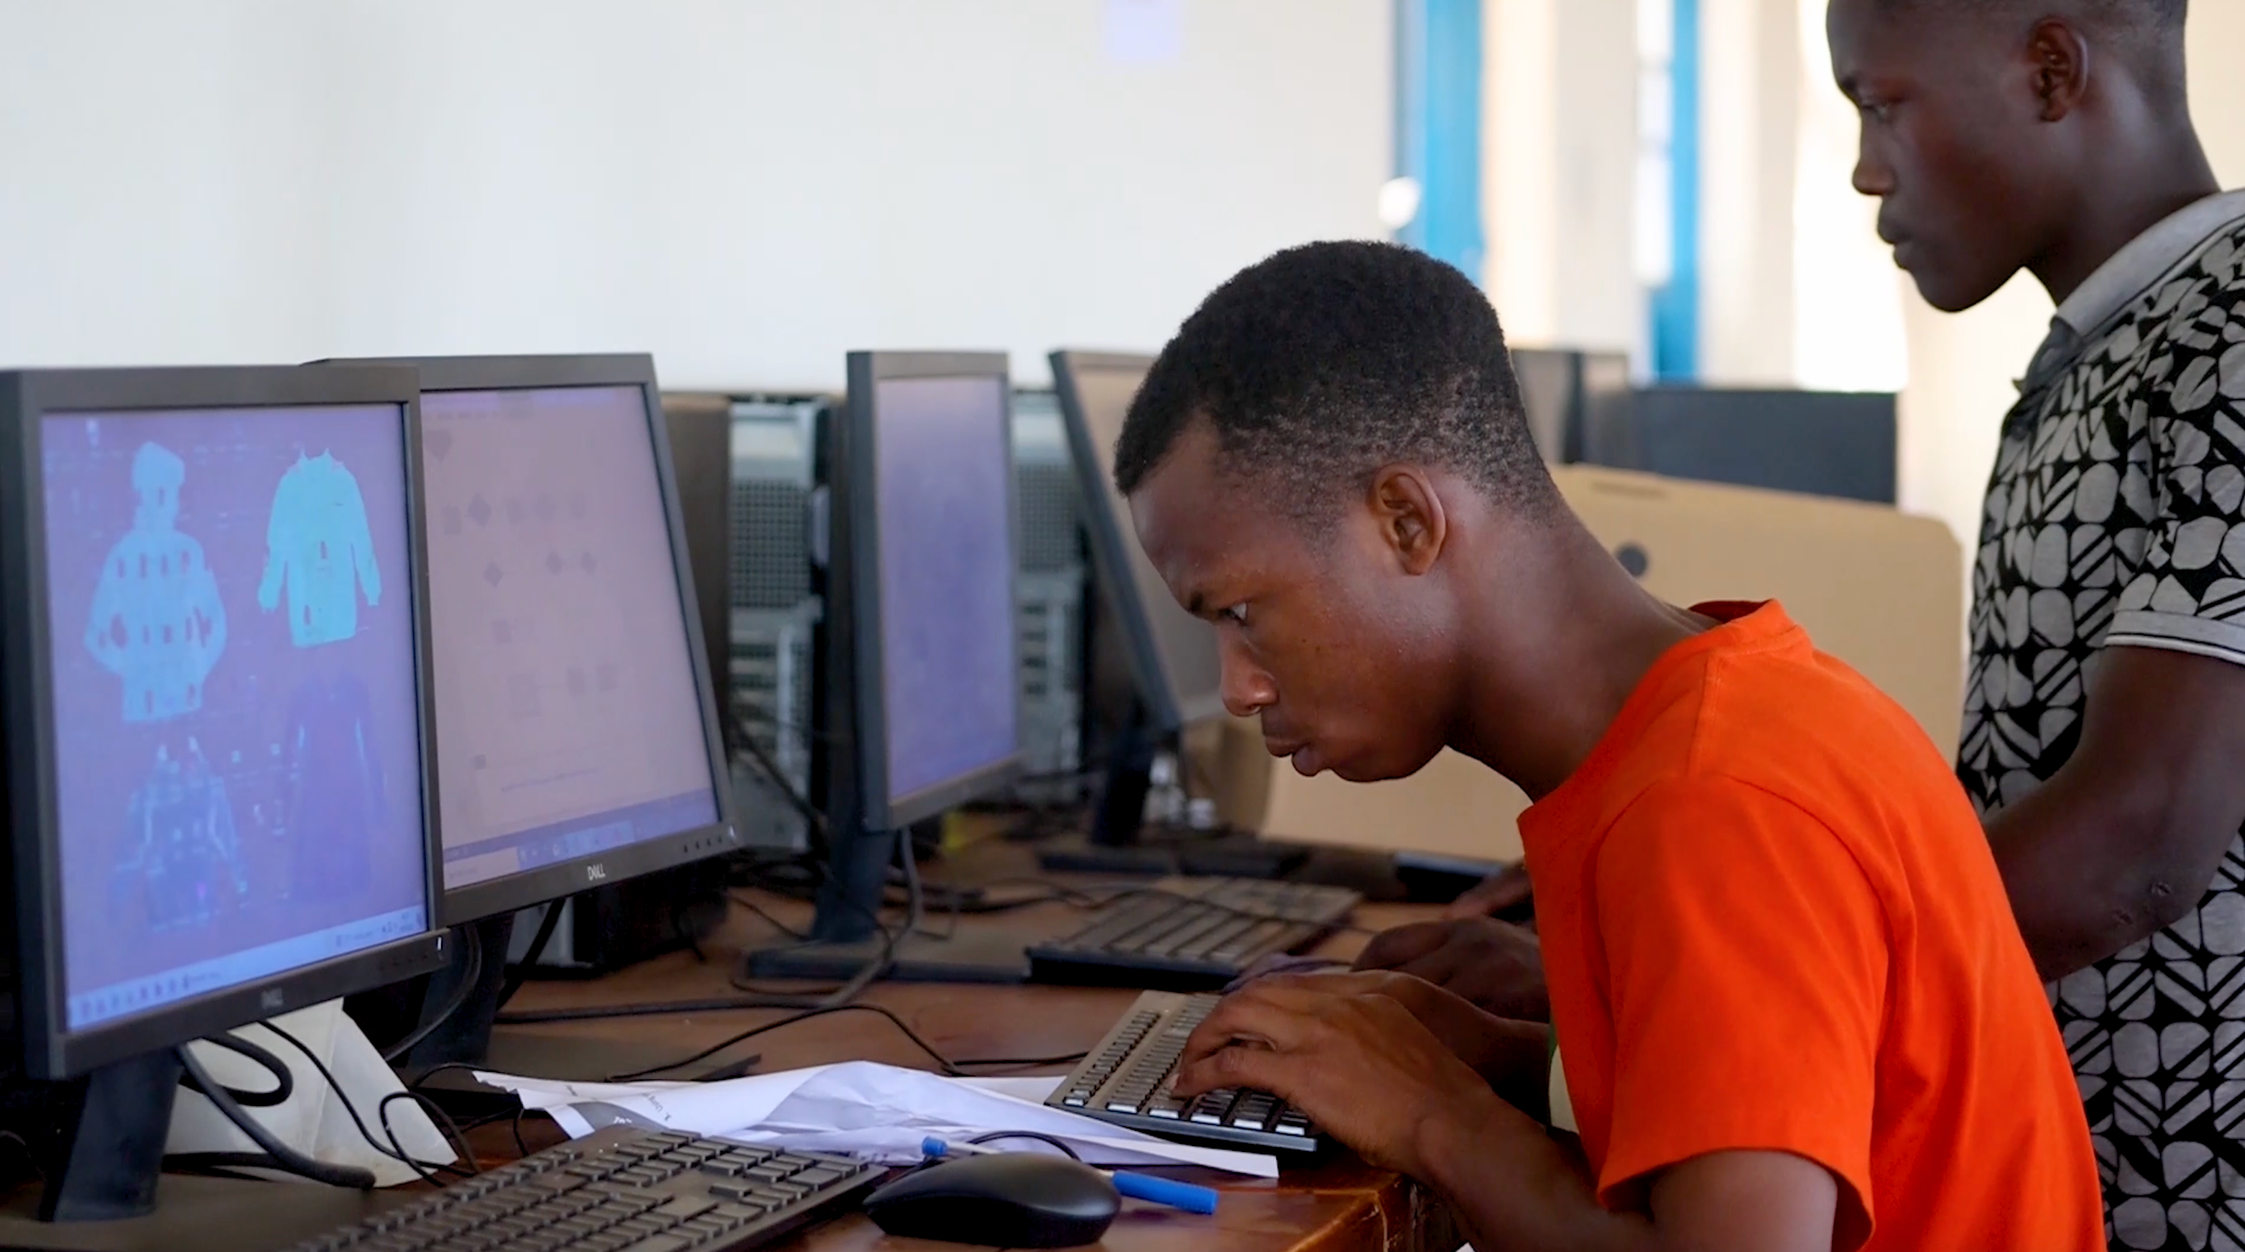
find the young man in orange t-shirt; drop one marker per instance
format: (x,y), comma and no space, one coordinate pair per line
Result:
(1792,1009)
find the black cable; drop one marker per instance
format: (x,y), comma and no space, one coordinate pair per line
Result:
(445,1126)
(423,1079)
(755,999)
(285,1082)
(453,1003)
(514,978)
(951,1068)
(778,776)
(396,1151)
(995,1135)
(284,1156)
(769,920)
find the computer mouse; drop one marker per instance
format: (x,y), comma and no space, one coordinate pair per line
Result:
(1002,1199)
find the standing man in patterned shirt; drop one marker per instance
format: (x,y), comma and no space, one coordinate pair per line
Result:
(2104,736)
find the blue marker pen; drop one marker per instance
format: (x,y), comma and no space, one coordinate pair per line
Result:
(1163,1191)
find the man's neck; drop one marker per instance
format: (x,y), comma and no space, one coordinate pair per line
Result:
(1559,664)
(2153,182)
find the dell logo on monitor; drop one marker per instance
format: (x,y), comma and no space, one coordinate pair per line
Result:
(596,873)
(272,1001)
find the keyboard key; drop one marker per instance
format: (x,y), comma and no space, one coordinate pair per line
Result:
(737,1192)
(683,1207)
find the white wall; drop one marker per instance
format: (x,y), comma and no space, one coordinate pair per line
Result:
(748,188)
(1559,131)
(1749,101)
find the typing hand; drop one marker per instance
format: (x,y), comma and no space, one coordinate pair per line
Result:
(1506,893)
(1496,965)
(1358,1062)
(1284,963)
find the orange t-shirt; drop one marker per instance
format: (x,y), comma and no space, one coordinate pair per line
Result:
(1771,921)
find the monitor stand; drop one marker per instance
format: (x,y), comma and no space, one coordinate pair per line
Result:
(100,1142)
(471,1037)
(1121,841)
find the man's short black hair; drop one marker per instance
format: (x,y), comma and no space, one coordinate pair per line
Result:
(1322,363)
(2147,33)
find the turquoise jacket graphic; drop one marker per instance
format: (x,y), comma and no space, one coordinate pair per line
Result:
(157,621)
(318,551)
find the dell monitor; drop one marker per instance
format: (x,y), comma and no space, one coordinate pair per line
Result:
(577,734)
(1171,657)
(919,657)
(219,784)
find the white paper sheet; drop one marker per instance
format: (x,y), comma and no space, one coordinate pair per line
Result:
(862,1109)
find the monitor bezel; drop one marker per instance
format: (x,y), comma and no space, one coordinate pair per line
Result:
(861,557)
(527,889)
(1167,710)
(51,1050)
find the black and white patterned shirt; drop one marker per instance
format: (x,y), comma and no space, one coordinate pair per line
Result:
(2116,518)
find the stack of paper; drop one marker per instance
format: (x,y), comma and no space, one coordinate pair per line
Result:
(862,1109)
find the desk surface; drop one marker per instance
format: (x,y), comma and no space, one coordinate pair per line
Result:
(1337,1206)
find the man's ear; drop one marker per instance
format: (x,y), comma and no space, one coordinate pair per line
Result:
(1412,521)
(2061,67)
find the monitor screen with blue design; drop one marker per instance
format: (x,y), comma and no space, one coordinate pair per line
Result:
(236,745)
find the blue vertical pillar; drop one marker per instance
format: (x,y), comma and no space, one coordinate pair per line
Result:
(1675,306)
(1438,126)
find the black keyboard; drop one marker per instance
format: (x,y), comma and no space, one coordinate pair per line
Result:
(1190,934)
(1125,1081)
(620,1190)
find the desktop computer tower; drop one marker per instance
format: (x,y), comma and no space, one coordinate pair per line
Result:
(1050,595)
(774,614)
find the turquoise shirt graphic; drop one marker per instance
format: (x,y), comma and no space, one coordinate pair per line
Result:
(318,553)
(157,622)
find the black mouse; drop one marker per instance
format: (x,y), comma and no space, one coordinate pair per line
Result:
(1003,1200)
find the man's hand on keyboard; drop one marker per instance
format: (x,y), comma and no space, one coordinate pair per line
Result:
(1352,1056)
(1496,965)
(1506,893)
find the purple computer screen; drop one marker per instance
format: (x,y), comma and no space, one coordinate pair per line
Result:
(236,723)
(568,718)
(943,500)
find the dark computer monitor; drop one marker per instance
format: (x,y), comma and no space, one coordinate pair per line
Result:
(919,651)
(1176,671)
(1824,443)
(1577,403)
(576,720)
(576,724)
(1549,380)
(218,778)
(1172,654)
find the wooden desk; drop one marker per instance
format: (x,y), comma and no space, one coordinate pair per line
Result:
(1337,1206)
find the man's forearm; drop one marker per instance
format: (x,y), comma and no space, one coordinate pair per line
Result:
(2088,875)
(1513,1187)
